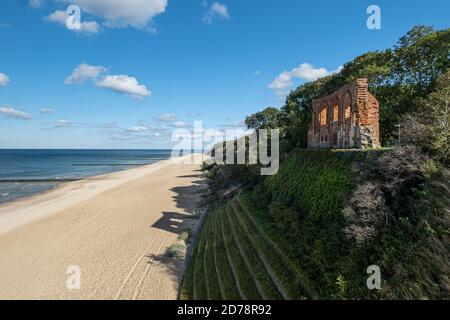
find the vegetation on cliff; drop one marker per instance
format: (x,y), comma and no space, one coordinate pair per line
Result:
(311,230)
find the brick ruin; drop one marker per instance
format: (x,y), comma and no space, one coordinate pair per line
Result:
(348,118)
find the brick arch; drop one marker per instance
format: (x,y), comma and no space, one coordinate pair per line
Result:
(335,113)
(335,109)
(323,111)
(347,118)
(347,99)
(324,123)
(357,118)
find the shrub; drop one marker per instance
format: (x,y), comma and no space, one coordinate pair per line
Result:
(285,218)
(177,251)
(365,212)
(185,236)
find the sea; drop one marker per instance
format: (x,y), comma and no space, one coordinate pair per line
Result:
(26,172)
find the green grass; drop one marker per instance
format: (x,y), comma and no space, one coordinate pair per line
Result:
(255,264)
(285,238)
(212,284)
(246,283)
(226,279)
(289,274)
(199,280)
(316,180)
(187,288)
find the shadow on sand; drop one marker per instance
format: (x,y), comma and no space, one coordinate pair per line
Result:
(186,199)
(174,267)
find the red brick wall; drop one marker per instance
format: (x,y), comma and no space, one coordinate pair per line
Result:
(364,124)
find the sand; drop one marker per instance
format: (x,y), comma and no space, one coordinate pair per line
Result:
(113,228)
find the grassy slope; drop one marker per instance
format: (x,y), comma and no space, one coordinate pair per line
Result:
(285,238)
(263,266)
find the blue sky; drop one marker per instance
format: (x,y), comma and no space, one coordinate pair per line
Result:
(155,65)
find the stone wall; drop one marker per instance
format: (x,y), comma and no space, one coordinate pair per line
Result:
(348,118)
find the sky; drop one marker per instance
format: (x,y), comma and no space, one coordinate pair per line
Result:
(134,71)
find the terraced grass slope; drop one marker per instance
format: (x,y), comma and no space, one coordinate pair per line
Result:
(235,259)
(250,248)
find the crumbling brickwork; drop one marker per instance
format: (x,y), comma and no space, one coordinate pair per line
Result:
(348,118)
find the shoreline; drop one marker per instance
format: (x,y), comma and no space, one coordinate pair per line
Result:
(115,227)
(59,182)
(26,204)
(44,197)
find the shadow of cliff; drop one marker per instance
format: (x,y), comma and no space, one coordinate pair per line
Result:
(186,199)
(174,267)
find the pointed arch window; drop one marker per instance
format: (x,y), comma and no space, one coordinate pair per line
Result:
(336,113)
(323,116)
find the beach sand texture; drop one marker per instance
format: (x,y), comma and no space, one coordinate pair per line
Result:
(115,228)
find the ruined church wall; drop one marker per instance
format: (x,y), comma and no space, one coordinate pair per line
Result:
(348,118)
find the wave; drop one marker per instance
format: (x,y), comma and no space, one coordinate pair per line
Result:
(39,180)
(107,164)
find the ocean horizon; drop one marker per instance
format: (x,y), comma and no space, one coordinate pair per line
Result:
(24,172)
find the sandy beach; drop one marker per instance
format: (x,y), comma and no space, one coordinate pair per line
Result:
(115,228)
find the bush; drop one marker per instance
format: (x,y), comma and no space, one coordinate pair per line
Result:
(177,251)
(185,236)
(262,196)
(285,218)
(365,212)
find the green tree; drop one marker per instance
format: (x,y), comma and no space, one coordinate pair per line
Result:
(435,114)
(399,78)
(266,119)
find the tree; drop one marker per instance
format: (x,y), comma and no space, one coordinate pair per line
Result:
(266,119)
(400,78)
(435,114)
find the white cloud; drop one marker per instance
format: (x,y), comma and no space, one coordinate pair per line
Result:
(4,79)
(35,3)
(178,124)
(123,13)
(240,124)
(122,137)
(171,120)
(124,84)
(305,71)
(167,117)
(84,72)
(64,123)
(103,125)
(137,129)
(11,113)
(90,27)
(87,27)
(46,110)
(193,114)
(117,83)
(217,10)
